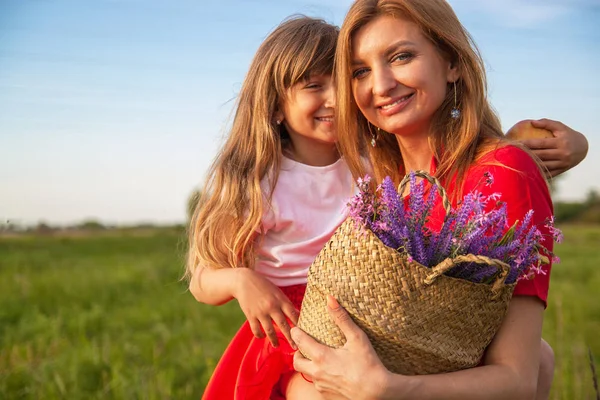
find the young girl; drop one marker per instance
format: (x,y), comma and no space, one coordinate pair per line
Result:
(275,194)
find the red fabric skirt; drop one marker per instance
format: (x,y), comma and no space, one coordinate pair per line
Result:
(251,368)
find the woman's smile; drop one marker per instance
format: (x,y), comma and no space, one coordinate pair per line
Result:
(394,106)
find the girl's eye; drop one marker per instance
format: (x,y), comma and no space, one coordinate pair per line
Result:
(402,57)
(312,85)
(357,74)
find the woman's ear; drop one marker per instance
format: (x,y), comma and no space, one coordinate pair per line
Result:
(453,74)
(278,117)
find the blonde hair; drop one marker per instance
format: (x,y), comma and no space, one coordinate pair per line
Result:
(456,143)
(225,220)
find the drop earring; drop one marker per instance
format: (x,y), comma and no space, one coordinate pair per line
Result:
(455,112)
(374,136)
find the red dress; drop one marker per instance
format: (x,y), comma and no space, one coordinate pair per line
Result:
(251,368)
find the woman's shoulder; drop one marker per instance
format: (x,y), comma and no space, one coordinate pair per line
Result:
(509,166)
(510,157)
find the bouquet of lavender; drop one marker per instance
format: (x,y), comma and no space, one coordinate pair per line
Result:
(430,300)
(468,229)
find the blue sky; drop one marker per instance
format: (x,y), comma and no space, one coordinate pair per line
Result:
(113,109)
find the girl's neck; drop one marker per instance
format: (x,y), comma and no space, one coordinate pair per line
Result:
(313,154)
(416,153)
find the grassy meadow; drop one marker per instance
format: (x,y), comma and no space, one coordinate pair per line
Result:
(105,317)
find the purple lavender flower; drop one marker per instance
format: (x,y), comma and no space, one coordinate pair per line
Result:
(557,234)
(468,229)
(393,207)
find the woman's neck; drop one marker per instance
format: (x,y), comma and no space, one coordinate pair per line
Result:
(416,153)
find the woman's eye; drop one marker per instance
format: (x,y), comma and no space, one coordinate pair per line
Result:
(402,57)
(359,73)
(312,86)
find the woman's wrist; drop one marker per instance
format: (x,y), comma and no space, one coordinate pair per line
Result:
(395,386)
(383,385)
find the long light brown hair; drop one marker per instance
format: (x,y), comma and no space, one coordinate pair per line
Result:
(455,143)
(227,217)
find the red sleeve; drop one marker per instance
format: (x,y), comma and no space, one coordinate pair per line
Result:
(521,185)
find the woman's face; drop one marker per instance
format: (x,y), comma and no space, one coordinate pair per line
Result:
(399,78)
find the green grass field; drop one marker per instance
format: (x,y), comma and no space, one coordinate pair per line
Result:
(106,317)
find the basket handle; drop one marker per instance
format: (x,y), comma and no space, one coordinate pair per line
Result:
(431,179)
(450,263)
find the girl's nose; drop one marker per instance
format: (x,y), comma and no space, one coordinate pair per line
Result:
(330,96)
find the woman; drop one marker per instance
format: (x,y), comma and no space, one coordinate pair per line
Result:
(412,94)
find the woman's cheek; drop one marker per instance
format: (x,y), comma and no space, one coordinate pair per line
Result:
(361,98)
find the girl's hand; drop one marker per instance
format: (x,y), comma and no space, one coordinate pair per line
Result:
(264,303)
(562,152)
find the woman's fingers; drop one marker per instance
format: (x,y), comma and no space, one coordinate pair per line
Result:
(342,319)
(301,363)
(311,348)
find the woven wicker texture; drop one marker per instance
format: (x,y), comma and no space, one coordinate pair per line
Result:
(418,320)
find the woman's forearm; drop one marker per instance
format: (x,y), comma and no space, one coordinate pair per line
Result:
(487,382)
(215,286)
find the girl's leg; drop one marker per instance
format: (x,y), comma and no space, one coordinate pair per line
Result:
(298,388)
(546,372)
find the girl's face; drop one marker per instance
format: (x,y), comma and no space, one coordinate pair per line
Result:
(399,78)
(307,111)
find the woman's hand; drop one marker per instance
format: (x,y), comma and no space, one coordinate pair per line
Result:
(353,371)
(264,303)
(338,373)
(562,152)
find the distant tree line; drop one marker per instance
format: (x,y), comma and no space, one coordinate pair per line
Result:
(44,228)
(582,212)
(585,212)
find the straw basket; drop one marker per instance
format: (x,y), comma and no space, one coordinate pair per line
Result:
(418,320)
